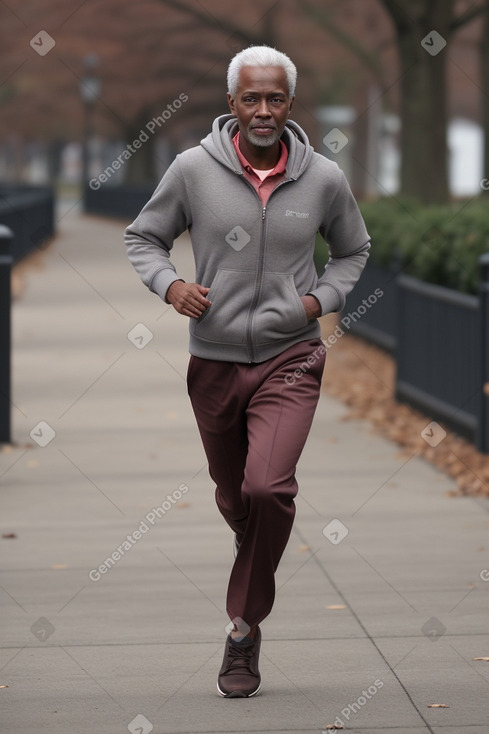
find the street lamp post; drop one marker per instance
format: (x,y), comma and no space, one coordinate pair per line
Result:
(89,88)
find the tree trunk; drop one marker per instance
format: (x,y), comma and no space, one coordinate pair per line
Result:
(424,168)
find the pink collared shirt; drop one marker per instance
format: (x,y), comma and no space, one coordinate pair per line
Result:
(277,175)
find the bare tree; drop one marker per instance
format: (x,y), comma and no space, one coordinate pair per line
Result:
(423,29)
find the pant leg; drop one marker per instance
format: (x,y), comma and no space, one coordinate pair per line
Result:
(254,421)
(219,398)
(279,417)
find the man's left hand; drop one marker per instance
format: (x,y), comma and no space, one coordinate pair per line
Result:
(312,307)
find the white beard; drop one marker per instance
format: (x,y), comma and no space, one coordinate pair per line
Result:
(262,141)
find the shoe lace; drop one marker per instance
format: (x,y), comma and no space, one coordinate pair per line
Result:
(239,657)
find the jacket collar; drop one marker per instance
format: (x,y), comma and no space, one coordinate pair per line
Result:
(219,144)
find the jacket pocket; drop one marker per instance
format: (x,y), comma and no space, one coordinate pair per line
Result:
(280,313)
(231,293)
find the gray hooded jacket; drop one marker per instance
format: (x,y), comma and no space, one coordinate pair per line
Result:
(256,260)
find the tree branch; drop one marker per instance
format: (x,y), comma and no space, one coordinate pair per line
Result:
(367,57)
(468,16)
(398,13)
(218,24)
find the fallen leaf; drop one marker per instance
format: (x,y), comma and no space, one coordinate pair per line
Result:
(438,706)
(303,548)
(352,376)
(182,505)
(3,686)
(334,727)
(9,535)
(335,606)
(32,464)
(58,566)
(485,659)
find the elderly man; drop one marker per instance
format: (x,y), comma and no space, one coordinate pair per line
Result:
(253,195)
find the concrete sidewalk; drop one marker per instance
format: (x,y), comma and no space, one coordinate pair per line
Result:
(369,628)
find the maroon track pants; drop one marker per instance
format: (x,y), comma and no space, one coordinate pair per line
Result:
(254,420)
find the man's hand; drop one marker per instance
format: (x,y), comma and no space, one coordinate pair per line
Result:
(312,307)
(189,299)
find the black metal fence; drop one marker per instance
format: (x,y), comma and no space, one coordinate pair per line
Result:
(29,212)
(26,223)
(124,201)
(440,340)
(378,324)
(437,365)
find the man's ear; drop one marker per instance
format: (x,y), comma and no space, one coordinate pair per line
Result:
(231,104)
(291,103)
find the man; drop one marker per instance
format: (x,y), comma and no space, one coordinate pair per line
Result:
(253,195)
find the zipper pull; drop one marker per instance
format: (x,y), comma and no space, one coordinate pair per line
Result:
(263,212)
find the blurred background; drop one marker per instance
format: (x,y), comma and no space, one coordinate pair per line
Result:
(97,98)
(81,80)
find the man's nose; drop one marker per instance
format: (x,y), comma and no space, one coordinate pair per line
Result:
(263,109)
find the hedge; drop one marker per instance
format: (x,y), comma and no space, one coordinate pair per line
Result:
(438,244)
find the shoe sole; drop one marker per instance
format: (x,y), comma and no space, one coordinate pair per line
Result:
(238,694)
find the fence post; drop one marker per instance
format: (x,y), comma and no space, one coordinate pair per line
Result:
(6,237)
(483,418)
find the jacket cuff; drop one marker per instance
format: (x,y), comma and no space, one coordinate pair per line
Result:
(328,298)
(162,281)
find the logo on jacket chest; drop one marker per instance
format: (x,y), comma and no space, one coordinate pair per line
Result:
(297,215)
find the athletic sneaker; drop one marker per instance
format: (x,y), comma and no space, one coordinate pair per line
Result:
(239,676)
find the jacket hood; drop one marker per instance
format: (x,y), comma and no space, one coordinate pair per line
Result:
(219,144)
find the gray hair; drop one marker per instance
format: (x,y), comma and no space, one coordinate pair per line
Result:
(260,56)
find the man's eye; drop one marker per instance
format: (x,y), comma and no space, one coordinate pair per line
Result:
(249,99)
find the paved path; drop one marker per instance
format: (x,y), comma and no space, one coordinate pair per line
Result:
(368,630)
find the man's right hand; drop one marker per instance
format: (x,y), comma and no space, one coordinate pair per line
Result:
(189,299)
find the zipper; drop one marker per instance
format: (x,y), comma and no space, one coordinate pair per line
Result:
(260,270)
(257,288)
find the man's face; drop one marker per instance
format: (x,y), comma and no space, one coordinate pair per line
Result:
(262,104)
